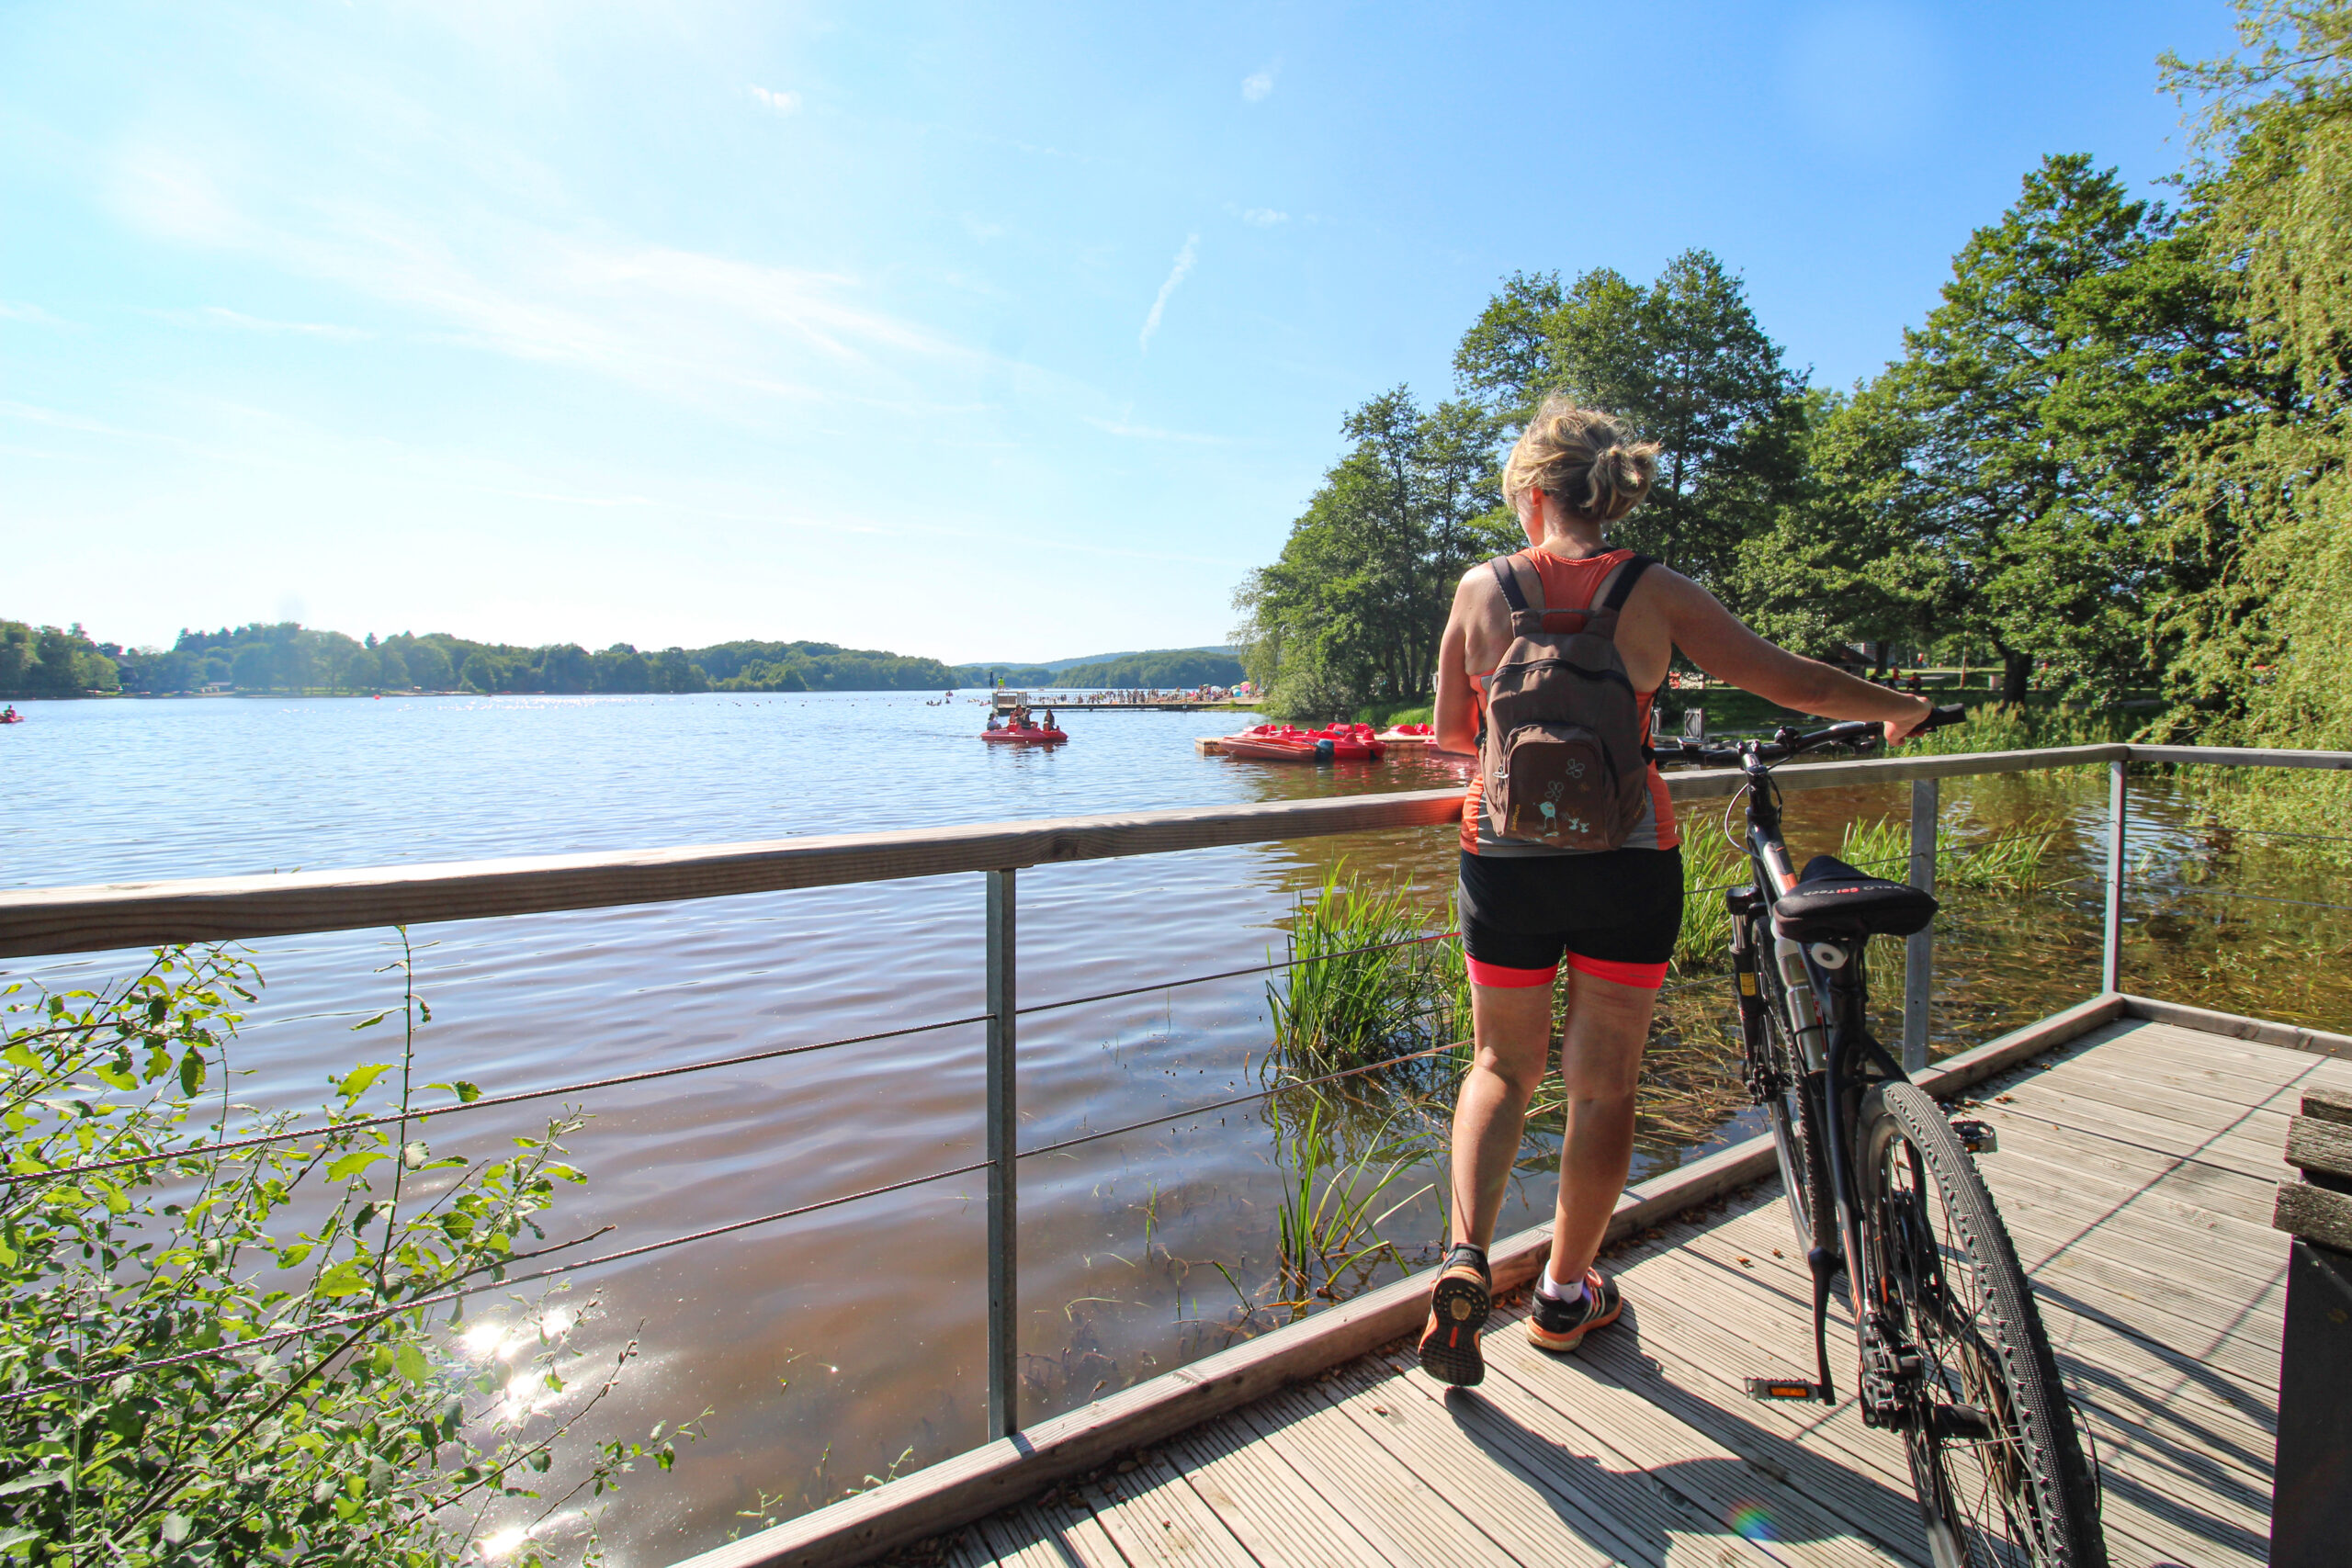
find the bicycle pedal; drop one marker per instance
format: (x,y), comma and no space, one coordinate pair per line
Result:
(1782,1388)
(1977,1137)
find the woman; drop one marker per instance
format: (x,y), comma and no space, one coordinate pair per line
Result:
(1612,913)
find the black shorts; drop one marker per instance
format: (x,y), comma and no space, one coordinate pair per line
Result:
(1615,914)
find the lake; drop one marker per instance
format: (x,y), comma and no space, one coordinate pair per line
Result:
(830,1346)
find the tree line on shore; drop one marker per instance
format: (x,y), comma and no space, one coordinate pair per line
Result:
(52,662)
(65,661)
(2112,455)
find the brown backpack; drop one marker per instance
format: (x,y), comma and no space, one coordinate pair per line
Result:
(1562,752)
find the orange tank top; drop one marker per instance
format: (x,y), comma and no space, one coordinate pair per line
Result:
(1570,588)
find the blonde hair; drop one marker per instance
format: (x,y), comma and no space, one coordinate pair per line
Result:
(1587,461)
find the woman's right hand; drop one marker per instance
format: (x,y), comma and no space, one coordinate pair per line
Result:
(1898,730)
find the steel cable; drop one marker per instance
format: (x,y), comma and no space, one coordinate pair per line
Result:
(230,1146)
(377,1315)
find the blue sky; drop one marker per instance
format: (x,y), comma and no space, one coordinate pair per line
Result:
(1016,330)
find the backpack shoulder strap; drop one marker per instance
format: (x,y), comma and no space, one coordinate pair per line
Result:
(1627,575)
(1506,569)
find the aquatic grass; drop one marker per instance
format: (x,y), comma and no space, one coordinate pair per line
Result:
(1709,865)
(2017,860)
(1362,983)
(1328,1232)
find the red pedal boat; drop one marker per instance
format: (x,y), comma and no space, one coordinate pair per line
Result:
(1409,735)
(1026,735)
(1286,743)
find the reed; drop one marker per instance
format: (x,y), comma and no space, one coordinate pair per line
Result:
(1709,865)
(1328,1237)
(2014,860)
(1362,983)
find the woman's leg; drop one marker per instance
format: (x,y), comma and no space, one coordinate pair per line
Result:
(1510,1032)
(1600,1063)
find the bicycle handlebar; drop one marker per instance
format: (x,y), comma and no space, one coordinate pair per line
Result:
(1786,742)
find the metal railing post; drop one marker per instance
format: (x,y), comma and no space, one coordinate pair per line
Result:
(2110,968)
(1004,1294)
(1920,948)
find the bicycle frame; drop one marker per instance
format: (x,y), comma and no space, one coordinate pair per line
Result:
(1823,996)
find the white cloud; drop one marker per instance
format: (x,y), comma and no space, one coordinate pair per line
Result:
(782,103)
(1257,86)
(221,315)
(1175,275)
(1263,217)
(1153,433)
(20,312)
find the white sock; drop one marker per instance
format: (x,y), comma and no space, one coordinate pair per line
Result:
(1567,1295)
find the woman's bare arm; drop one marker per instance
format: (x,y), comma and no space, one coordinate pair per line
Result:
(1454,721)
(1717,642)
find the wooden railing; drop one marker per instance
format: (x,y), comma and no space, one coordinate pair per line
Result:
(136,915)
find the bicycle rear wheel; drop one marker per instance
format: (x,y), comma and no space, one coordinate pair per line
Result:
(1993,1450)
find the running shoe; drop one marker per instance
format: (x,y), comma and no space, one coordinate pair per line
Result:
(1560,1326)
(1459,1304)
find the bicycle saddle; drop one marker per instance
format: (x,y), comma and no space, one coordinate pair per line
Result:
(1832,899)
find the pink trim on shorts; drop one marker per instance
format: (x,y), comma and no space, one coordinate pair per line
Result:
(1648,976)
(1497,975)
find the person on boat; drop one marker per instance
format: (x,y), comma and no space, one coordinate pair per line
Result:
(993,724)
(1613,914)
(8,715)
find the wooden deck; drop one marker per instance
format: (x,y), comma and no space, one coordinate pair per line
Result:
(2136,1171)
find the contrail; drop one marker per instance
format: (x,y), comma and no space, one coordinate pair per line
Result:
(1175,275)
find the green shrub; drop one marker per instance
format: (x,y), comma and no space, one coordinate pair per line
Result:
(306,1408)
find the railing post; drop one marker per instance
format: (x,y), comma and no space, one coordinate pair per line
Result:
(1920,949)
(1005,1294)
(2110,968)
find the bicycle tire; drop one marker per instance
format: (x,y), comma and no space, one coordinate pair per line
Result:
(1804,1170)
(2000,1472)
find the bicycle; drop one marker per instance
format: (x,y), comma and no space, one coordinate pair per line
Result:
(1952,1353)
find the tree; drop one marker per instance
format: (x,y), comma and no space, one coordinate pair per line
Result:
(1350,612)
(254,667)
(2261,646)
(1684,361)
(2005,478)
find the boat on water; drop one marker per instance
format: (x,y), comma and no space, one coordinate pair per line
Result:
(1409,735)
(12,717)
(1288,743)
(1026,735)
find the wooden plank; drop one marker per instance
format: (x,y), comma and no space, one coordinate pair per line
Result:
(1400,1513)
(1156,1520)
(1266,1504)
(2240,1196)
(2266,1032)
(1533,1513)
(1554,1409)
(2329,1104)
(1037,1536)
(2315,1214)
(2316,1143)
(2094,1339)
(2141,1508)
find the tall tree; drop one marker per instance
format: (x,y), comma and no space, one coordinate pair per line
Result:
(1350,612)
(2261,648)
(1682,359)
(2005,478)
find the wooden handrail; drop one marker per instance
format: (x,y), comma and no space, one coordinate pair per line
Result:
(146,914)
